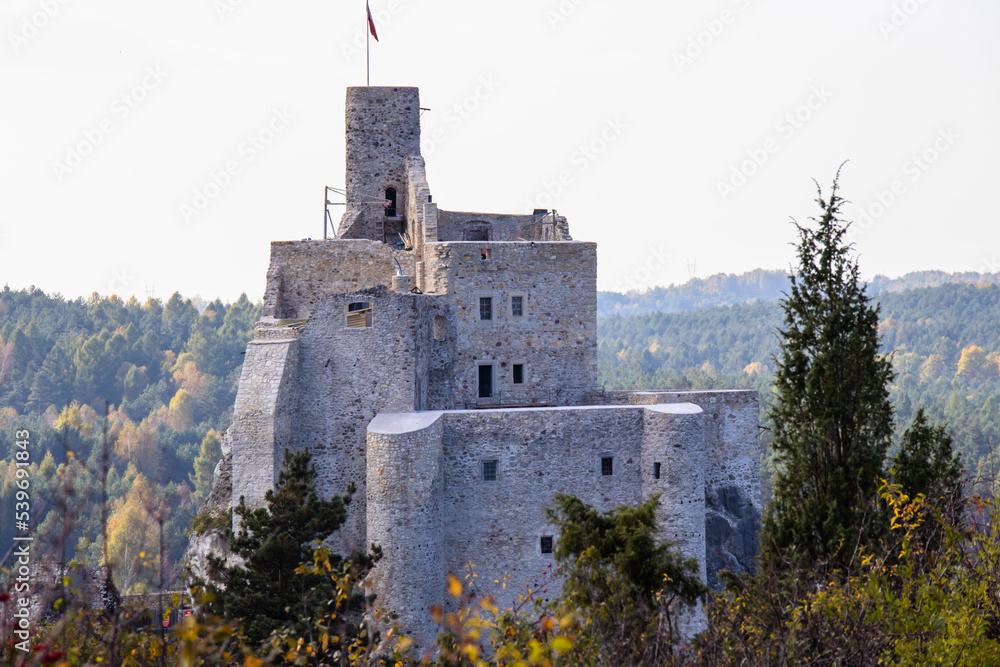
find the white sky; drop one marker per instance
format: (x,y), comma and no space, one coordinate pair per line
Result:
(560,74)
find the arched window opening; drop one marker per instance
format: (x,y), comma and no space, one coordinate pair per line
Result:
(390,207)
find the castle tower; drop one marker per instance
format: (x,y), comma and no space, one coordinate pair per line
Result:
(383,129)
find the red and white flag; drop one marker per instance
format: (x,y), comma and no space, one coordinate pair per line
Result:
(371,23)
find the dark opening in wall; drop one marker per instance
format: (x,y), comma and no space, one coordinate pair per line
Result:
(476,235)
(359,315)
(656,470)
(517,306)
(485,308)
(518,374)
(390,207)
(607,465)
(546,544)
(490,471)
(486,381)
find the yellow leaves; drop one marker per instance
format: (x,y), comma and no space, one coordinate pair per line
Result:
(454,586)
(562,644)
(436,614)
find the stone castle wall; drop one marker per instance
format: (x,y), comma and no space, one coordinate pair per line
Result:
(556,336)
(433,512)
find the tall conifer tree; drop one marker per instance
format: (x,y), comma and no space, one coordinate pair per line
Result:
(832,418)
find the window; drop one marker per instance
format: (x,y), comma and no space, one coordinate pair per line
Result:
(390,202)
(518,374)
(359,315)
(607,465)
(546,544)
(517,306)
(439,327)
(656,470)
(486,381)
(485,308)
(490,471)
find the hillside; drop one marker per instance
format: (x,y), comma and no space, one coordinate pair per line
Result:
(945,343)
(726,289)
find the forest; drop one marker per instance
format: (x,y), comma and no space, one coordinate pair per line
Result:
(166,373)
(124,404)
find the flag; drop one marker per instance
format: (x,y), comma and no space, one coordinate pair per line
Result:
(371,23)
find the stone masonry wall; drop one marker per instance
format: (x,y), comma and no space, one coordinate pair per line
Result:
(497,525)
(262,416)
(344,378)
(555,339)
(383,129)
(302,273)
(732,474)
(457,225)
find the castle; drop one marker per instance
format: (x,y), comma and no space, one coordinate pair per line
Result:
(446,363)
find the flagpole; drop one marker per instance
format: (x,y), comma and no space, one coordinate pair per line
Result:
(368,50)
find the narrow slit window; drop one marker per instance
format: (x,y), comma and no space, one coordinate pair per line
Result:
(439,328)
(359,315)
(390,202)
(485,308)
(656,470)
(518,373)
(546,544)
(607,465)
(517,306)
(490,471)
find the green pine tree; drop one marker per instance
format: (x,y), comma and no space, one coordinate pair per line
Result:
(832,418)
(926,464)
(267,593)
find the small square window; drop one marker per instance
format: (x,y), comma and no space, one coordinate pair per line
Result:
(517,306)
(656,470)
(607,465)
(546,544)
(359,315)
(489,471)
(518,374)
(485,308)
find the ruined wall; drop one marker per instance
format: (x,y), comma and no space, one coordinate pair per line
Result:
(344,377)
(555,339)
(263,415)
(302,273)
(466,225)
(498,525)
(383,129)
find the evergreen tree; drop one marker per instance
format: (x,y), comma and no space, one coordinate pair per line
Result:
(832,417)
(926,464)
(621,578)
(267,593)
